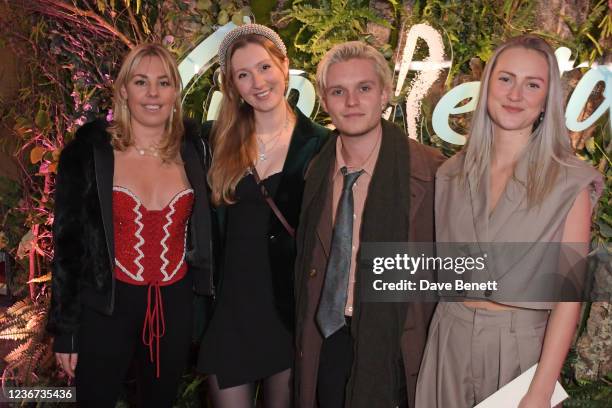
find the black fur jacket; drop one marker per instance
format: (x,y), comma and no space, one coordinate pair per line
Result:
(83,229)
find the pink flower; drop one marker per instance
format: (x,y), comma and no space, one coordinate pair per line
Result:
(80,121)
(44,167)
(168,40)
(109,115)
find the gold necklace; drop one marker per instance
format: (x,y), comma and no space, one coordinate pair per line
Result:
(150,150)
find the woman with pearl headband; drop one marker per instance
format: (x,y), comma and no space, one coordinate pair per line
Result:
(261,149)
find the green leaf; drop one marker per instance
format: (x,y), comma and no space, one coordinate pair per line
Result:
(41,279)
(605,229)
(237,18)
(36,154)
(42,119)
(596,43)
(145,25)
(222,18)
(590,145)
(204,5)
(25,245)
(193,386)
(22,127)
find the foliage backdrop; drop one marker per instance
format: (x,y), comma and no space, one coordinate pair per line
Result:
(70,51)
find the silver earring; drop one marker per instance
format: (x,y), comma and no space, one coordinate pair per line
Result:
(538,121)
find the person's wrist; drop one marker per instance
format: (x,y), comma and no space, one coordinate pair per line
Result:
(539,392)
(65,343)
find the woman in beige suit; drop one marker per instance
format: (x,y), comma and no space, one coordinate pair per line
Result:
(516,180)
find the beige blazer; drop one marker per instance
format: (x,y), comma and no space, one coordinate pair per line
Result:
(512,234)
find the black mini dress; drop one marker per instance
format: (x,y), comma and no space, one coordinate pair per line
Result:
(246,340)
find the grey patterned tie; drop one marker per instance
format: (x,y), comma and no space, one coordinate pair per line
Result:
(330,315)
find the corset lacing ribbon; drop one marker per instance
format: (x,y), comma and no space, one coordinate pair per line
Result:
(154,325)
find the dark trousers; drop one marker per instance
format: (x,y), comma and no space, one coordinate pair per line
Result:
(109,344)
(335,364)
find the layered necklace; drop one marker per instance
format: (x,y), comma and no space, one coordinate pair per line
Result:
(148,151)
(267,146)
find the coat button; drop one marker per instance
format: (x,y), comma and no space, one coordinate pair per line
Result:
(312,273)
(272,238)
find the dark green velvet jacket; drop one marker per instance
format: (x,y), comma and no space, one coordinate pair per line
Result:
(306,141)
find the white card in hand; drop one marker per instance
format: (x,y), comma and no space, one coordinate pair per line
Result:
(510,395)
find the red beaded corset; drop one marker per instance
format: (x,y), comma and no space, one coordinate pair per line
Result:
(150,250)
(150,245)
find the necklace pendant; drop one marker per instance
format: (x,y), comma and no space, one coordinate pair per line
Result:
(262,157)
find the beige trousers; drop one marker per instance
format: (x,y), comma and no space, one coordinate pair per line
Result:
(471,353)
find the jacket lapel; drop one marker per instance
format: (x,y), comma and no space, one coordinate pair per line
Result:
(479,201)
(193,168)
(303,145)
(104,162)
(318,171)
(389,194)
(377,326)
(325,227)
(318,191)
(420,176)
(303,133)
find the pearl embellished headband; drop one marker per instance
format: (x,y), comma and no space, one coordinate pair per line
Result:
(247,29)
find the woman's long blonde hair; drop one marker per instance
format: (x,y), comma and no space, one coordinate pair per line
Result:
(233,138)
(120,128)
(549,147)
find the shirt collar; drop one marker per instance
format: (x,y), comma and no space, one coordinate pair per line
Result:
(368,166)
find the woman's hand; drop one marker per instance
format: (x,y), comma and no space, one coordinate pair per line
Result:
(532,400)
(68,362)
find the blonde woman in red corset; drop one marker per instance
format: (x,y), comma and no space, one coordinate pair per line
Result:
(131,234)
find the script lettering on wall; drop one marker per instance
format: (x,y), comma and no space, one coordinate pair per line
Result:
(429,71)
(449,104)
(203,56)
